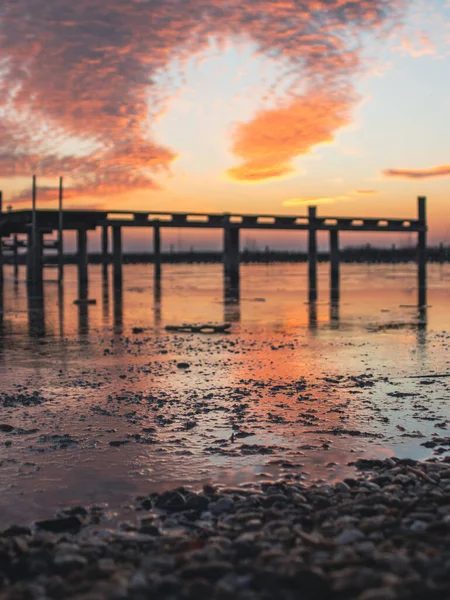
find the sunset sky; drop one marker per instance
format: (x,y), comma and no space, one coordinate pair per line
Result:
(209,105)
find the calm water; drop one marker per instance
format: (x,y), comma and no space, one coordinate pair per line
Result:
(102,412)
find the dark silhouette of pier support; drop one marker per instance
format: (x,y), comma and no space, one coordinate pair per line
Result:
(231,252)
(105,248)
(117,256)
(312,253)
(60,242)
(157,251)
(35,262)
(334,265)
(15,258)
(82,255)
(422,251)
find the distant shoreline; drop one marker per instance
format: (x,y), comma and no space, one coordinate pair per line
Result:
(364,254)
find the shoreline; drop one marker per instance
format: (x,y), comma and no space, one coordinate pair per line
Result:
(381,535)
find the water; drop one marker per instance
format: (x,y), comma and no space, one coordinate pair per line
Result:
(294,388)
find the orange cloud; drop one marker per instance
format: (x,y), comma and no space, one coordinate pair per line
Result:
(440,171)
(365,192)
(268,144)
(78,93)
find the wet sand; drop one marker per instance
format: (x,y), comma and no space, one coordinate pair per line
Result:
(100,403)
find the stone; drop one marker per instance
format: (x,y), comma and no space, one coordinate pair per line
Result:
(64,525)
(349,536)
(223,504)
(69,562)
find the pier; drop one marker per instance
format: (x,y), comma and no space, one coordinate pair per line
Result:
(31,230)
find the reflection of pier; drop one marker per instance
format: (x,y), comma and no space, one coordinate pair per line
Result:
(35,225)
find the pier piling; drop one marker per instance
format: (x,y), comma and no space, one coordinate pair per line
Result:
(312,253)
(117,256)
(105,246)
(157,250)
(82,255)
(422,250)
(231,252)
(334,265)
(16,258)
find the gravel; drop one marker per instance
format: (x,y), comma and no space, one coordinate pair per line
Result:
(383,535)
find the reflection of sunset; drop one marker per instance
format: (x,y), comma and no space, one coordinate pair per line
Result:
(294,386)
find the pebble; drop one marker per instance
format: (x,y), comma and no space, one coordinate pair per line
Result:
(349,536)
(356,540)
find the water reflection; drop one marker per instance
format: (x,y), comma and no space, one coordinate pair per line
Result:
(287,376)
(231,299)
(157,297)
(235,296)
(36,310)
(334,314)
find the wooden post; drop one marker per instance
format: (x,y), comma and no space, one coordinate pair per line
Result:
(82,255)
(105,245)
(422,250)
(117,255)
(231,252)
(1,201)
(312,254)
(334,264)
(16,258)
(35,258)
(157,251)
(60,233)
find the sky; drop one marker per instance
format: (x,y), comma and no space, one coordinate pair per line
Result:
(260,107)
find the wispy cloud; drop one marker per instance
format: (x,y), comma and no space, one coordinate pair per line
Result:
(315,200)
(365,192)
(419,45)
(78,93)
(439,171)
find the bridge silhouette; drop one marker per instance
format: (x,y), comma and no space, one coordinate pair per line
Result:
(37,224)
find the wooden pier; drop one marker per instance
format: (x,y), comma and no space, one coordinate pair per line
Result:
(38,224)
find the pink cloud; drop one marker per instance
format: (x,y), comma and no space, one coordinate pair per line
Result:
(83,72)
(439,171)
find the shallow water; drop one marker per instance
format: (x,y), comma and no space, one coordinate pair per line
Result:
(293,388)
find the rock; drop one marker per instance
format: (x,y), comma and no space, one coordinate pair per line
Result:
(63,525)
(16,530)
(183,365)
(69,562)
(223,505)
(342,487)
(6,427)
(382,593)
(211,571)
(349,536)
(172,501)
(198,502)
